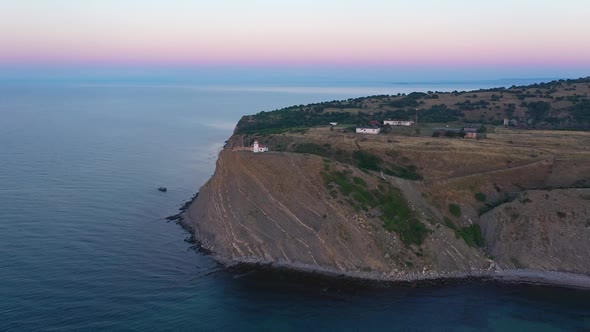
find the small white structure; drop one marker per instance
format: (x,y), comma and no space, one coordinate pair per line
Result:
(333,123)
(368,130)
(398,123)
(257,147)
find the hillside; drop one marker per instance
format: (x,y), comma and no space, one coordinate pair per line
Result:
(563,104)
(401,205)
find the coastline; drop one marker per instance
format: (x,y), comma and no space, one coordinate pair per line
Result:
(523,276)
(516,276)
(262,242)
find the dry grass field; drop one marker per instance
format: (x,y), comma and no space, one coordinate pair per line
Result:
(453,170)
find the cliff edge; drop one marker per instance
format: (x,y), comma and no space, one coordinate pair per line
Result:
(404,205)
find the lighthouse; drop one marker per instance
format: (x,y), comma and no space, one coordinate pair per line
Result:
(257,147)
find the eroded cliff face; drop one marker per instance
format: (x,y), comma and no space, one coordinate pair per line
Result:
(284,209)
(541,230)
(276,208)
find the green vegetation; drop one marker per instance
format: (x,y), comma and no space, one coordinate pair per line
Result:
(581,111)
(455,210)
(359,181)
(480,197)
(440,114)
(468,105)
(362,159)
(537,110)
(408,173)
(340,178)
(490,206)
(397,216)
(278,131)
(367,161)
(298,118)
(471,235)
(292,117)
(411,100)
(449,223)
(325,151)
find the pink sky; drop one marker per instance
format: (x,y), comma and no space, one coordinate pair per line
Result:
(264,32)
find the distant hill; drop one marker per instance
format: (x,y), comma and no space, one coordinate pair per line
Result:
(561,104)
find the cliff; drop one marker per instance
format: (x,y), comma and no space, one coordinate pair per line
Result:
(275,208)
(402,205)
(282,208)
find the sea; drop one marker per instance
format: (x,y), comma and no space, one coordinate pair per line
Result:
(84,244)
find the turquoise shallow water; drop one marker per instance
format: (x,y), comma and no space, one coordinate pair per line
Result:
(83,245)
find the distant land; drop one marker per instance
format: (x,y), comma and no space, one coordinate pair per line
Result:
(561,104)
(491,183)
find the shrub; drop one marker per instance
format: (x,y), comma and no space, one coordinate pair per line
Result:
(359,181)
(397,215)
(411,231)
(367,161)
(408,173)
(480,197)
(455,210)
(538,110)
(581,111)
(449,223)
(472,235)
(490,206)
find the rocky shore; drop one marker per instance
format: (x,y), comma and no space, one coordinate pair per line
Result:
(494,273)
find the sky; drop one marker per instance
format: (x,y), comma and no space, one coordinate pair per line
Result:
(519,37)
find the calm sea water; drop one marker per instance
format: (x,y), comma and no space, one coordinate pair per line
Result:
(83,245)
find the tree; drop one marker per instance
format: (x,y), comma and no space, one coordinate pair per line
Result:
(538,110)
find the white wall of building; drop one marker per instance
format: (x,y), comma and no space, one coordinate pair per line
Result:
(373,131)
(398,123)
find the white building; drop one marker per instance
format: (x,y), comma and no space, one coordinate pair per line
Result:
(333,123)
(398,123)
(368,130)
(257,147)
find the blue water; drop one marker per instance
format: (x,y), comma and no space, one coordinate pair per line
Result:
(83,245)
